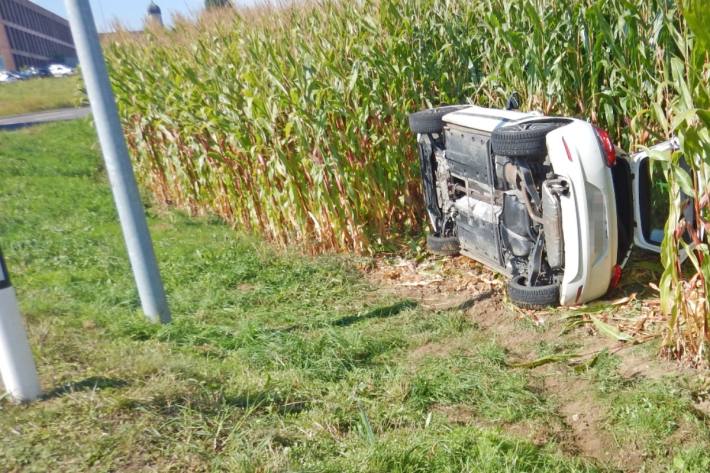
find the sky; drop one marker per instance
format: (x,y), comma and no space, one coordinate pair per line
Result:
(129,12)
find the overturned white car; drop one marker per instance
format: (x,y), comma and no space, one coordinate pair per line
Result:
(548,201)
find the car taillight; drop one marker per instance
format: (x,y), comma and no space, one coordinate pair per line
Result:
(615,277)
(607,147)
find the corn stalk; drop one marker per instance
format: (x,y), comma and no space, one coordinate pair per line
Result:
(291,122)
(685,255)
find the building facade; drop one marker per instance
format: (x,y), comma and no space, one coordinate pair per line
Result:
(155,17)
(33,36)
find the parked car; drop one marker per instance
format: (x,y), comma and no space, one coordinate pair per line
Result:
(9,76)
(34,72)
(29,73)
(548,201)
(60,70)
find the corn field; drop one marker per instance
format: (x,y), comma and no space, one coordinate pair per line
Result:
(290,121)
(684,286)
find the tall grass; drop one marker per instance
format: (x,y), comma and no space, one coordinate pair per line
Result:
(291,121)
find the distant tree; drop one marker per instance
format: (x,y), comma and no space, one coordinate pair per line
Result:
(209,4)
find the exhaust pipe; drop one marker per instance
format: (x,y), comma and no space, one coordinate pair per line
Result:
(552,223)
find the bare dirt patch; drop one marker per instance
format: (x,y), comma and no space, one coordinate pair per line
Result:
(431,349)
(460,284)
(245,287)
(437,284)
(585,418)
(463,284)
(645,364)
(458,414)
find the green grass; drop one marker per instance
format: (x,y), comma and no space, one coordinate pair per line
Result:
(39,94)
(274,361)
(655,418)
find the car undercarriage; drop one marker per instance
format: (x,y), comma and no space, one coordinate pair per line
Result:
(493,194)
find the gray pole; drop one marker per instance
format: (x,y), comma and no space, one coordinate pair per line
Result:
(118,164)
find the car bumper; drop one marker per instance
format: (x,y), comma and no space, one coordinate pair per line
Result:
(589,222)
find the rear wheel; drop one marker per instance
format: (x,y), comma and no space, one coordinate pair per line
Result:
(443,246)
(524,139)
(429,121)
(532,296)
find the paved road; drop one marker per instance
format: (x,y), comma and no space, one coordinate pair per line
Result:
(19,121)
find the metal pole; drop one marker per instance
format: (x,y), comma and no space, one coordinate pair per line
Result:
(17,367)
(118,164)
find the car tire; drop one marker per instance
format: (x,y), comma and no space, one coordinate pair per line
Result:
(524,139)
(429,121)
(532,297)
(443,246)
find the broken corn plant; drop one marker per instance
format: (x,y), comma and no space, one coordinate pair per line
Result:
(684,286)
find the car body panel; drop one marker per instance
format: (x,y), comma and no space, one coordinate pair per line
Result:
(485,119)
(588,212)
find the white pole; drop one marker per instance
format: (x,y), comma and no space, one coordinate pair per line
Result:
(17,367)
(118,164)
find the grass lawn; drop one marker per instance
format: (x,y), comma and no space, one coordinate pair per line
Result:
(279,362)
(39,94)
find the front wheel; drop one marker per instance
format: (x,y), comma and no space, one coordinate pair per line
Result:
(532,297)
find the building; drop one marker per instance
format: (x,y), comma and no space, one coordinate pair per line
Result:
(152,19)
(33,36)
(155,17)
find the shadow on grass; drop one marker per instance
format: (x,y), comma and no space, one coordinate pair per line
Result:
(378,313)
(210,405)
(467,304)
(348,320)
(94,383)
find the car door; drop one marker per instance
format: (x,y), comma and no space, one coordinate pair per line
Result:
(650,195)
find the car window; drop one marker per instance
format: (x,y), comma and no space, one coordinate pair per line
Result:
(654,202)
(658,204)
